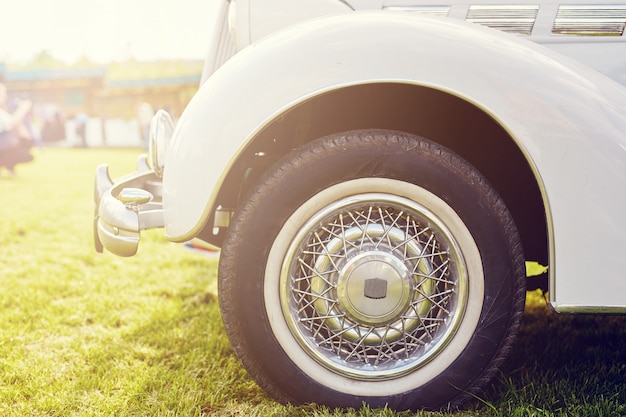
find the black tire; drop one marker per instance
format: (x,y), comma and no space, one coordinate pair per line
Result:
(372,267)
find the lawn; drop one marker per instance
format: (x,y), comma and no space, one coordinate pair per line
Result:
(87,334)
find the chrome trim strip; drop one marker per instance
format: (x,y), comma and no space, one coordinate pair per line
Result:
(429,10)
(566,309)
(518,19)
(590,20)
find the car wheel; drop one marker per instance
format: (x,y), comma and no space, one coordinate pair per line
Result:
(372,267)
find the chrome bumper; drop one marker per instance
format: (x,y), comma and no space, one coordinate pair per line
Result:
(125,207)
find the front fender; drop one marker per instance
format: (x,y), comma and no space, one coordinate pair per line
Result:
(568,120)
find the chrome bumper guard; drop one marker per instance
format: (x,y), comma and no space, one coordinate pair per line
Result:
(126,207)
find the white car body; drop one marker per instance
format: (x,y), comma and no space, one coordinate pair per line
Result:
(377,171)
(568,119)
(562,103)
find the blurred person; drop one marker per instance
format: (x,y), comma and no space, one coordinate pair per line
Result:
(16,136)
(81,128)
(53,129)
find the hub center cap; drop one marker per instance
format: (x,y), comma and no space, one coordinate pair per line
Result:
(374,287)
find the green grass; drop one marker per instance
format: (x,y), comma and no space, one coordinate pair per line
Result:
(86,334)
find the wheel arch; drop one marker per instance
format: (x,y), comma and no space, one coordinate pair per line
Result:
(463,127)
(563,122)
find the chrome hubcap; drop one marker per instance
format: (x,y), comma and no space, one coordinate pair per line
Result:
(373,286)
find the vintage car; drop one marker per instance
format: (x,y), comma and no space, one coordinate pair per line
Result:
(380,175)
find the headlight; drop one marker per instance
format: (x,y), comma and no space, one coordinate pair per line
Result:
(161,130)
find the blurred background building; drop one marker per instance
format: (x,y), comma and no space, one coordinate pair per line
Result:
(103,101)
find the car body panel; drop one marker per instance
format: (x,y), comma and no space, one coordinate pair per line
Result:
(591,33)
(569,121)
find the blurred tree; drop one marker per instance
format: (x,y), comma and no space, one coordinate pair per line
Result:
(84,62)
(44,60)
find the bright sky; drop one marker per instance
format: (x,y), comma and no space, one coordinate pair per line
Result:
(104,30)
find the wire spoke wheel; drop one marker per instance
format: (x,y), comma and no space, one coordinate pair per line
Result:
(376,286)
(372,267)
